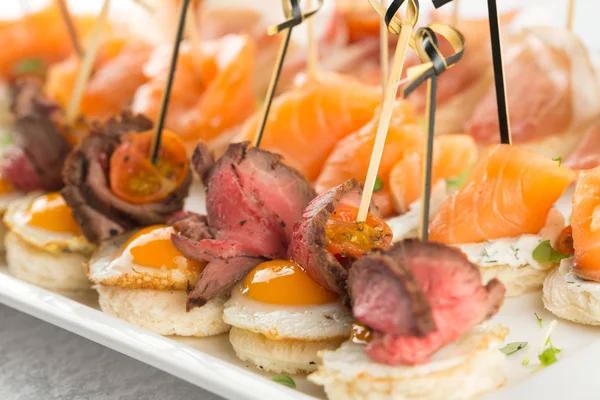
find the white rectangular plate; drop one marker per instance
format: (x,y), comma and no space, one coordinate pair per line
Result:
(211,363)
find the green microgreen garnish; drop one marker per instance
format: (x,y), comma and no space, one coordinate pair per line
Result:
(548,356)
(29,66)
(284,380)
(544,253)
(512,348)
(378,185)
(453,184)
(539,320)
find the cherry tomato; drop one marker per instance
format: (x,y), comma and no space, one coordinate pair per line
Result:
(348,238)
(136,180)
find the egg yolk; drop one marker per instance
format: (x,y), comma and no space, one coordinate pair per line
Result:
(5,186)
(360,333)
(51,212)
(284,283)
(159,252)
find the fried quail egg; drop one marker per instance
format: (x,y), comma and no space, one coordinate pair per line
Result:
(146,259)
(46,223)
(280,301)
(8,194)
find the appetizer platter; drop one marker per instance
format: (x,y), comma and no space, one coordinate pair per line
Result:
(338,200)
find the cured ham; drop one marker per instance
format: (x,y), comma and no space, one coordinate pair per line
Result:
(552,93)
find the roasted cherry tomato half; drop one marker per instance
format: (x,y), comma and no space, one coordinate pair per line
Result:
(564,242)
(348,238)
(136,180)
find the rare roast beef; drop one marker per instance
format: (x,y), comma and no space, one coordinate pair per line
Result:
(252,203)
(98,211)
(40,146)
(309,248)
(412,323)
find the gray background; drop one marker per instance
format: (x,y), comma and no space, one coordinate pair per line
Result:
(39,361)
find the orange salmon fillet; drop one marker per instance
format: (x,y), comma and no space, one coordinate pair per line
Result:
(39,35)
(305,124)
(585,223)
(117,75)
(212,91)
(508,193)
(452,155)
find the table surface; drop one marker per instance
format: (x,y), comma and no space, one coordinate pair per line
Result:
(39,361)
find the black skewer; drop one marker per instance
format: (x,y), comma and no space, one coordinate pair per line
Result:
(503,118)
(426,46)
(164,105)
(428,159)
(294,15)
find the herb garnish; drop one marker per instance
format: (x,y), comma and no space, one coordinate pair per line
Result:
(544,253)
(284,380)
(512,348)
(539,320)
(453,184)
(547,352)
(548,356)
(378,185)
(29,66)
(559,159)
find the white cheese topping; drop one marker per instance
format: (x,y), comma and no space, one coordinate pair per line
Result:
(406,225)
(575,284)
(516,251)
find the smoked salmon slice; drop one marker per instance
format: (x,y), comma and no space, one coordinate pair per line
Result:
(585,225)
(306,123)
(508,193)
(118,73)
(351,155)
(212,91)
(40,35)
(452,156)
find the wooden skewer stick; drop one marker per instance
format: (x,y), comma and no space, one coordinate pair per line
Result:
(313,49)
(503,116)
(571,15)
(66,15)
(456,13)
(191,27)
(145,5)
(24,6)
(391,91)
(383,51)
(164,104)
(87,64)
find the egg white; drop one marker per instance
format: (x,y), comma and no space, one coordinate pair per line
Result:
(16,219)
(276,322)
(112,265)
(7,198)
